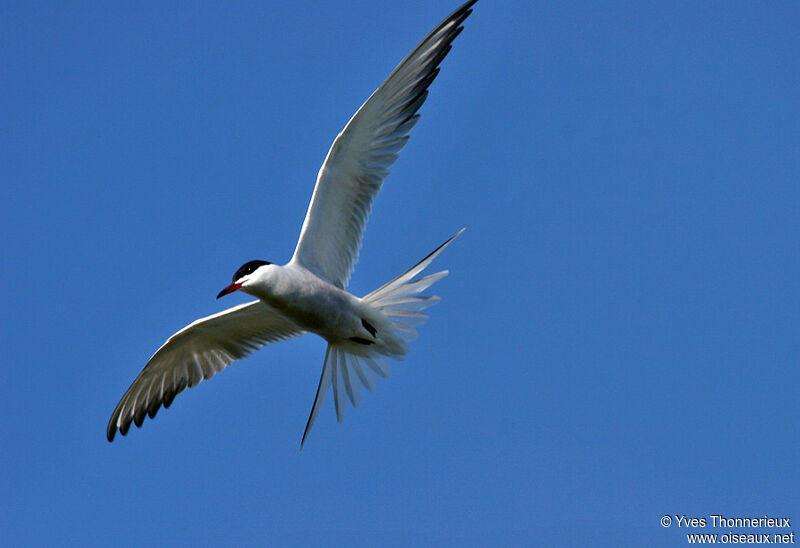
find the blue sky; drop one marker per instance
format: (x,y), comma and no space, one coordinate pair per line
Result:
(617,340)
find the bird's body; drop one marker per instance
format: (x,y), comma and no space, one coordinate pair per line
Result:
(317,306)
(308,294)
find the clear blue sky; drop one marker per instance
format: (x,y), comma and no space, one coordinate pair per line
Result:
(617,340)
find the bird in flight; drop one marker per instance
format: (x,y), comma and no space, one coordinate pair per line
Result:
(308,294)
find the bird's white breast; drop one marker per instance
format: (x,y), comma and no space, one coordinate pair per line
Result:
(310,302)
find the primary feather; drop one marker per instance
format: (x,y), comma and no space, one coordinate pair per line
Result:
(360,157)
(195,353)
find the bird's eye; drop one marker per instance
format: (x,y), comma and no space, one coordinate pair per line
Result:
(248,268)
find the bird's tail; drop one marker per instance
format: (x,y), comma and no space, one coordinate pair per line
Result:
(401,303)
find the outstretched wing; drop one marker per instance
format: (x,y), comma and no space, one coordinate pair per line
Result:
(362,154)
(197,352)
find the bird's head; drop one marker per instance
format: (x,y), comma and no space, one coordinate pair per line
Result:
(248,274)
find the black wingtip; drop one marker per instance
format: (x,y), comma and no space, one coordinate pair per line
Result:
(463,12)
(112,428)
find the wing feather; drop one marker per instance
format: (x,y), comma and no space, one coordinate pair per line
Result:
(361,155)
(195,353)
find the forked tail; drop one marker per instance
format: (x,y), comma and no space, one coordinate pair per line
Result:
(402,304)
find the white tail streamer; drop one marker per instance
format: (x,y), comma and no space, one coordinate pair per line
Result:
(400,301)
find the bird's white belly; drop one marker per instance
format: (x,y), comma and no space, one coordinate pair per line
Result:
(318,307)
(329,315)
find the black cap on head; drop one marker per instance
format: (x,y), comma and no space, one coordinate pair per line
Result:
(248,268)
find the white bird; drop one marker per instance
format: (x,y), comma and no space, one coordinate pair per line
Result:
(308,293)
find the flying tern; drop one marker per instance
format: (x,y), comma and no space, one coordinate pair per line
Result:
(308,294)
